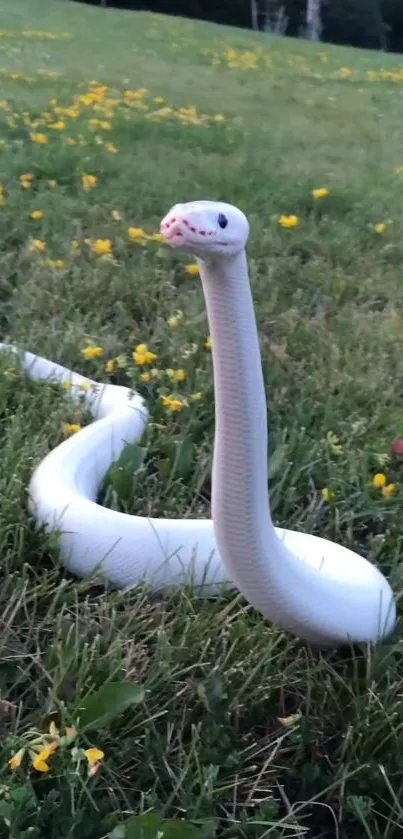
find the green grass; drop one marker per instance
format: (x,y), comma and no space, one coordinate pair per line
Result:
(206,743)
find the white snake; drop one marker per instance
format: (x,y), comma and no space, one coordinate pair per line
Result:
(322,592)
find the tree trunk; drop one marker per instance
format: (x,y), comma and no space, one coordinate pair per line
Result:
(254,14)
(313,20)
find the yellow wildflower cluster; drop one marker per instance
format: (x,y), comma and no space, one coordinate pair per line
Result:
(17,76)
(345,72)
(138,236)
(70,428)
(56,264)
(100,247)
(234,59)
(89,182)
(386,75)
(381,227)
(334,444)
(380,481)
(176,375)
(40,748)
(143,356)
(149,375)
(173,403)
(39,137)
(92,352)
(192,269)
(320,192)
(106,101)
(289,221)
(38,245)
(96,108)
(26,180)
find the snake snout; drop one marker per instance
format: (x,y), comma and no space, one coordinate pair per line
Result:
(184,226)
(172,227)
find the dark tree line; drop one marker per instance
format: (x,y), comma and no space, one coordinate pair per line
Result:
(373,24)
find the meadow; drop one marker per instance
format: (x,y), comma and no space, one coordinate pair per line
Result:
(201,719)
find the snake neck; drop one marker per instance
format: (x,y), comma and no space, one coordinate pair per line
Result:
(240,500)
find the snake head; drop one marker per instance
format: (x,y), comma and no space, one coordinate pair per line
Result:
(206,228)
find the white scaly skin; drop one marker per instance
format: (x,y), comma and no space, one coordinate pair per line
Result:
(320,591)
(324,593)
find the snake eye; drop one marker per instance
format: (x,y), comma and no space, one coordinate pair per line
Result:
(222,221)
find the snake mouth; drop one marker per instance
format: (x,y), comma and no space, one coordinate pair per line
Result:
(182,232)
(177,240)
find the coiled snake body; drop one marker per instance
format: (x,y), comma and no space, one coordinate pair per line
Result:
(322,592)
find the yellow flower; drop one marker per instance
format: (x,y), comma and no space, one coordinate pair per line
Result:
(208,343)
(60,125)
(133,95)
(157,237)
(177,375)
(52,183)
(289,221)
(26,180)
(94,755)
(192,269)
(176,319)
(74,245)
(381,227)
(71,141)
(71,428)
(142,355)
(16,760)
(92,352)
(39,245)
(145,377)
(37,215)
(379,480)
(196,397)
(38,137)
(334,444)
(173,404)
(111,365)
(40,761)
(321,192)
(89,181)
(111,148)
(136,234)
(101,247)
(327,494)
(345,72)
(85,386)
(388,490)
(57,264)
